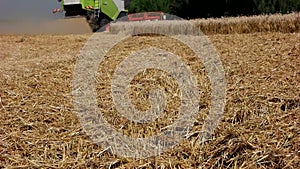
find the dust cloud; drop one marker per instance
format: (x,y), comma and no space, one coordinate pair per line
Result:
(55,26)
(35,17)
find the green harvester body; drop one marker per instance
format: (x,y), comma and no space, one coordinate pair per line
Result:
(97,12)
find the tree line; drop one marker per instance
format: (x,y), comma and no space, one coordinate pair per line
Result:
(215,8)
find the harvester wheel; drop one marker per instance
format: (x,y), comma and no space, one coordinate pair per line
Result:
(92,20)
(94,27)
(103,22)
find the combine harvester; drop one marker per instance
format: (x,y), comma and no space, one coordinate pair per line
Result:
(99,14)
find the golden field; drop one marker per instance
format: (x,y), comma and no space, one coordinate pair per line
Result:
(260,127)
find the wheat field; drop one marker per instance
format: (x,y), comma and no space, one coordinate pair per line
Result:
(260,127)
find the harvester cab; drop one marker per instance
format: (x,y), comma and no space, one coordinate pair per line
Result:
(98,13)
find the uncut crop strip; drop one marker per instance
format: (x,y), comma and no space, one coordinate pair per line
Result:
(287,23)
(166,27)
